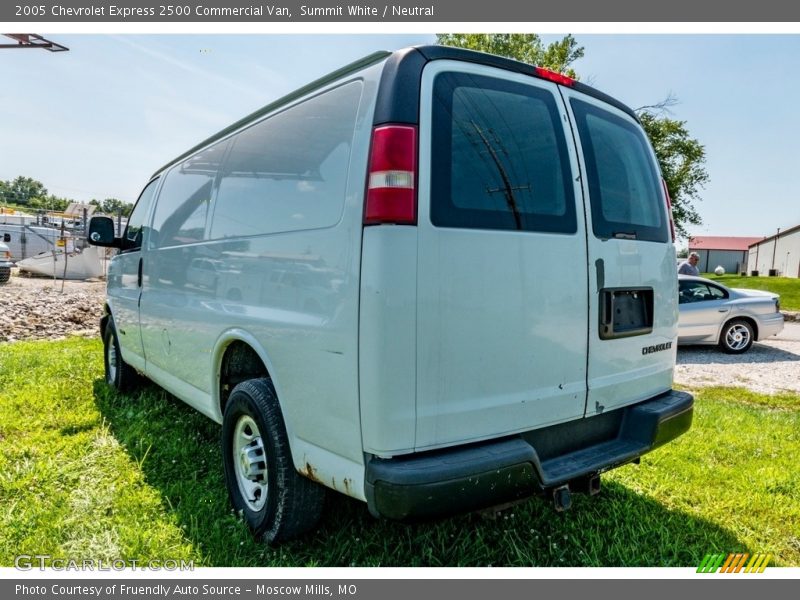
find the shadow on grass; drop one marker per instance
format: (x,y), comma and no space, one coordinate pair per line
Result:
(178,452)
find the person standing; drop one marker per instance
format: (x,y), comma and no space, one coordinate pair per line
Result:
(689,266)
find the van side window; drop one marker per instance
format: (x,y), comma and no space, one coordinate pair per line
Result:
(623,181)
(499,157)
(182,206)
(289,172)
(135,231)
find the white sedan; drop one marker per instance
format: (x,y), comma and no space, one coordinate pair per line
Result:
(711,313)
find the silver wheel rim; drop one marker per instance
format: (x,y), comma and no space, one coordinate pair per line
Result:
(250,463)
(737,337)
(113,361)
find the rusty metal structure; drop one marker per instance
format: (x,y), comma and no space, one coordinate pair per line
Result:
(32,40)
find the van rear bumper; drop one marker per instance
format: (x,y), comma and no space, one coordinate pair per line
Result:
(462,479)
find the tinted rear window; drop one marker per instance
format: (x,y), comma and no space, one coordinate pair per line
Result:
(623,181)
(499,157)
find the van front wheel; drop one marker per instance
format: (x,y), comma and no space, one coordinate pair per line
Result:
(276,502)
(119,374)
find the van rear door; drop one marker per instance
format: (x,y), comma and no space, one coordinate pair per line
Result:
(502,284)
(632,274)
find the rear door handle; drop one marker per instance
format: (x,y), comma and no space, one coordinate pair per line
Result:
(723,309)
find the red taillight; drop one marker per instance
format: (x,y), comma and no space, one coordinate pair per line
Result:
(669,209)
(391,182)
(553,76)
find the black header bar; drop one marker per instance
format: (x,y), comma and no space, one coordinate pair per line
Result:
(396,11)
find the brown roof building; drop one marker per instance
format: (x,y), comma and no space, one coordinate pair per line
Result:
(728,252)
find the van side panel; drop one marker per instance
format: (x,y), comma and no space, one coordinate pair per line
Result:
(293,293)
(387,339)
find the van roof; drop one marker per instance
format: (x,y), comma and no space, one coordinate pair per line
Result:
(447,52)
(399,90)
(353,67)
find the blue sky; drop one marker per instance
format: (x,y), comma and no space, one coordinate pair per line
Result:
(97,121)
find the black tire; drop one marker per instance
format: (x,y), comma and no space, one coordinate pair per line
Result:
(736,336)
(119,374)
(284,504)
(5,275)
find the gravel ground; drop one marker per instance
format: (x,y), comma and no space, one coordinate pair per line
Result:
(35,308)
(769,367)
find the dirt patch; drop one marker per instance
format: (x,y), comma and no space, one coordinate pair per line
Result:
(37,308)
(769,367)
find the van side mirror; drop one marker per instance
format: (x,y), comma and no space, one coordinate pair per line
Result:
(6,238)
(101,233)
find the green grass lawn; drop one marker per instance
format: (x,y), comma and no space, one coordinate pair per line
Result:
(86,473)
(787,287)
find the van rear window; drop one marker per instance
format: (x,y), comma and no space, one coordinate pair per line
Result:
(499,157)
(623,182)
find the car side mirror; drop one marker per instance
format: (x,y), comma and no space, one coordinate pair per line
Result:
(101,233)
(6,238)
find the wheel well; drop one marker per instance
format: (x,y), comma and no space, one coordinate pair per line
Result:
(239,363)
(104,320)
(749,320)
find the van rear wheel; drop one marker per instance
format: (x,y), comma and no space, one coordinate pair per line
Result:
(276,502)
(118,373)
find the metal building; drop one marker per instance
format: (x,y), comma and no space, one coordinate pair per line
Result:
(730,253)
(777,254)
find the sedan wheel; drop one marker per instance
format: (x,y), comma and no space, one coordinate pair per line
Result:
(736,337)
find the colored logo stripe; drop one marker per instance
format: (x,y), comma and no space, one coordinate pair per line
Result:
(734,563)
(710,563)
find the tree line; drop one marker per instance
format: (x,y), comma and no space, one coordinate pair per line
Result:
(30,194)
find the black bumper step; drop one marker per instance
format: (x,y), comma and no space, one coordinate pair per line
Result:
(468,478)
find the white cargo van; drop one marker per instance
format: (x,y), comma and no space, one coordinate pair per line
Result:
(435,281)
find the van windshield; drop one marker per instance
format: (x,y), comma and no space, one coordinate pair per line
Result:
(623,181)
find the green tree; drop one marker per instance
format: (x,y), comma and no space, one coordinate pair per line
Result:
(49,202)
(681,158)
(112,206)
(22,190)
(525,47)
